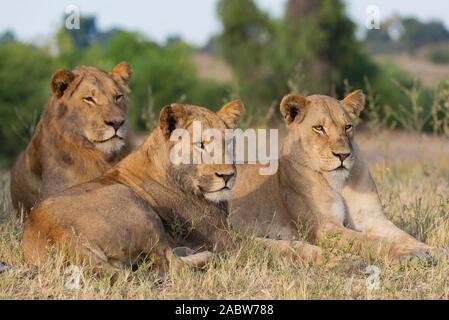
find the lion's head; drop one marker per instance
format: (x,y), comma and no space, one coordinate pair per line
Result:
(321,130)
(91,105)
(212,181)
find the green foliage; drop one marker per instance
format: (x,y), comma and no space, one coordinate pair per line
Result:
(417,34)
(322,37)
(24,86)
(382,83)
(376,115)
(244,43)
(439,55)
(415,115)
(264,53)
(440,109)
(7,37)
(415,108)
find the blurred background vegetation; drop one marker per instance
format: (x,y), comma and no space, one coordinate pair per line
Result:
(312,48)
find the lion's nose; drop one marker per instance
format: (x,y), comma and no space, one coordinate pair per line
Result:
(225,176)
(341,156)
(116,124)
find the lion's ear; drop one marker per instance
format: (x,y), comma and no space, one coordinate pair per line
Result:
(230,113)
(60,81)
(122,72)
(170,118)
(292,107)
(354,103)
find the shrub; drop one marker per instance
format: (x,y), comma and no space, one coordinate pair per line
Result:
(24,86)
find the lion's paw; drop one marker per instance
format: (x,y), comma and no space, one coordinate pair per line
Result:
(411,255)
(192,259)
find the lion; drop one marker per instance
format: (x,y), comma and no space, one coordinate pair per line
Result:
(323,188)
(81,134)
(146,206)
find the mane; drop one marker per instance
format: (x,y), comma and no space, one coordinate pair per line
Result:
(68,148)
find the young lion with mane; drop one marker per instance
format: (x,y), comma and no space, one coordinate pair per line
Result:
(81,134)
(145,205)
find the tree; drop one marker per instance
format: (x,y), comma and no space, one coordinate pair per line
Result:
(264,53)
(86,35)
(321,36)
(24,86)
(417,34)
(7,37)
(409,34)
(244,43)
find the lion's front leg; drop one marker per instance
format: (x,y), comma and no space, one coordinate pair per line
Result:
(365,213)
(363,244)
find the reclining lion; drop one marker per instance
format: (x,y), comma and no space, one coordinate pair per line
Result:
(81,134)
(145,205)
(322,186)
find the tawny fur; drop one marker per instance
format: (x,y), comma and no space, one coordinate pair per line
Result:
(144,206)
(68,145)
(309,195)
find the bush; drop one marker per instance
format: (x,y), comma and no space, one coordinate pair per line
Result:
(439,55)
(24,87)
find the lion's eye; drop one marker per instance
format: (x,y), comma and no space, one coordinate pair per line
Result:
(89,99)
(118,97)
(318,129)
(348,127)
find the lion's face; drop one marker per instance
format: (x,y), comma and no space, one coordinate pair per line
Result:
(213,181)
(92,104)
(324,128)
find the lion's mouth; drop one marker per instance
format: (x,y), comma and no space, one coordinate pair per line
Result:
(109,139)
(225,188)
(224,194)
(340,168)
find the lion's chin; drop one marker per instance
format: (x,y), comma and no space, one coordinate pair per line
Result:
(337,178)
(218,196)
(111,146)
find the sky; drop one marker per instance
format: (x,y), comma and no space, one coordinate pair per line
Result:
(194,20)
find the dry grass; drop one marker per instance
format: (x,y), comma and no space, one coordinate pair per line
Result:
(429,73)
(415,191)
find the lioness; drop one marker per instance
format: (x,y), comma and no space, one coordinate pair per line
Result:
(82,133)
(146,204)
(323,186)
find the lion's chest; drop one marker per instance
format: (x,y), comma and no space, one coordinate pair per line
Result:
(338,210)
(336,182)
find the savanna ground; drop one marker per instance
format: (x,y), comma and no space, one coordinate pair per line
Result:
(412,175)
